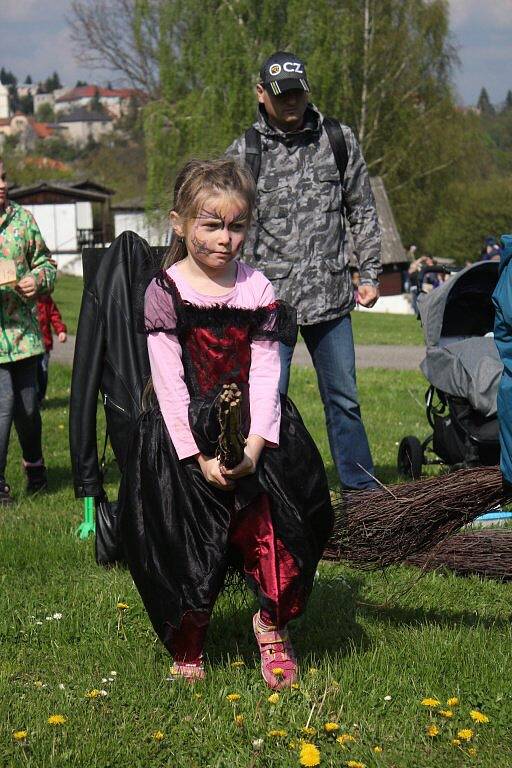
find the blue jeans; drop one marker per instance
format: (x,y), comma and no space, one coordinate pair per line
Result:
(18,403)
(331,346)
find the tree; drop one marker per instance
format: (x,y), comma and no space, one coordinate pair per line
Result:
(80,83)
(26,104)
(508,102)
(484,104)
(45,113)
(28,80)
(52,83)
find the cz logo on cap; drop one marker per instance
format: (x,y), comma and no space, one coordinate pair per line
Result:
(275,69)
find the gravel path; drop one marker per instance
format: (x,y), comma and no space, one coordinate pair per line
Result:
(398,358)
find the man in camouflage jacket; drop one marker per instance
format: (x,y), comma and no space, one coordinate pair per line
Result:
(21,345)
(298,240)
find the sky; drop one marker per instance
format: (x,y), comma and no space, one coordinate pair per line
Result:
(35,40)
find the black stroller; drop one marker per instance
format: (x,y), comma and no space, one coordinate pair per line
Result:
(463,368)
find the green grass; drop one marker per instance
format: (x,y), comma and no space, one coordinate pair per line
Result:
(368,328)
(368,636)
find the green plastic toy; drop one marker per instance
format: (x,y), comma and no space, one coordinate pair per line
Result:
(88,526)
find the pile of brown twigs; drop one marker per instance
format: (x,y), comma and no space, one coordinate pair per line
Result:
(482,553)
(375,529)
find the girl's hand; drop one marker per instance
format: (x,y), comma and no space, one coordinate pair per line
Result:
(62,337)
(27,286)
(247,466)
(211,470)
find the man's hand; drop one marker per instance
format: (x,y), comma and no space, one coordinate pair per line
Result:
(62,337)
(211,470)
(368,295)
(27,286)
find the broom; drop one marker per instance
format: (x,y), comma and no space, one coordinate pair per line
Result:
(378,528)
(231,442)
(482,553)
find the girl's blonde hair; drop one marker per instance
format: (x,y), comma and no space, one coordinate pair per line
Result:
(200,179)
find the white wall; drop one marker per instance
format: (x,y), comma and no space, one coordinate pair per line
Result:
(136,221)
(84,215)
(58,225)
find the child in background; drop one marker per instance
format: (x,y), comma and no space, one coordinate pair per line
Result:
(211,320)
(49,317)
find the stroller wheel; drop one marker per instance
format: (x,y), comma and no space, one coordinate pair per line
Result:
(410,458)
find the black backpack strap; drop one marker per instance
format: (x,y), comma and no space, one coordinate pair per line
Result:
(338,144)
(253,151)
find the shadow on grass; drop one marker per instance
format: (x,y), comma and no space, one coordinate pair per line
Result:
(417,617)
(53,403)
(329,625)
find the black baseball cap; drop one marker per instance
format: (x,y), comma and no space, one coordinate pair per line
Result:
(283,72)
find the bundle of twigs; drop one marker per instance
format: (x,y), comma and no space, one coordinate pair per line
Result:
(378,528)
(231,443)
(483,553)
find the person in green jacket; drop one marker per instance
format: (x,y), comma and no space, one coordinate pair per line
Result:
(21,344)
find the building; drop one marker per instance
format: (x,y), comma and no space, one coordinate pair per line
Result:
(131,215)
(28,130)
(70,215)
(116,100)
(5,110)
(84,125)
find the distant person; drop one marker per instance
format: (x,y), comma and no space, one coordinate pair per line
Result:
(49,318)
(20,341)
(312,181)
(491,250)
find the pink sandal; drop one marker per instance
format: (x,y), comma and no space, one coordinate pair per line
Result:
(190,672)
(278,660)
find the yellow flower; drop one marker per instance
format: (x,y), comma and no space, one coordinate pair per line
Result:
(238,663)
(433,730)
(158,735)
(292,745)
(377,750)
(20,735)
(456,742)
(278,671)
(472,752)
(94,694)
(308,730)
(239,720)
(331,727)
(466,734)
(273,698)
(430,703)
(344,738)
(355,764)
(38,684)
(453,701)
(313,671)
(478,717)
(56,720)
(233,697)
(445,713)
(309,754)
(277,734)
(295,686)
(123,606)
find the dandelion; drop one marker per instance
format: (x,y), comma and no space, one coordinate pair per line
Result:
(57,720)
(355,764)
(20,735)
(472,752)
(238,663)
(277,734)
(38,684)
(345,738)
(430,703)
(453,701)
(273,698)
(94,694)
(158,735)
(308,730)
(122,606)
(478,717)
(445,713)
(233,697)
(466,734)
(309,754)
(331,727)
(278,671)
(239,720)
(433,730)
(312,671)
(456,742)
(295,686)
(377,750)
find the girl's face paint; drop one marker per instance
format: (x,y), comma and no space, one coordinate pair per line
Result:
(214,238)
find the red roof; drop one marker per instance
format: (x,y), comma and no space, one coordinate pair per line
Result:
(43,130)
(89,91)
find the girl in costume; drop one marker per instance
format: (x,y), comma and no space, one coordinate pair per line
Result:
(211,320)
